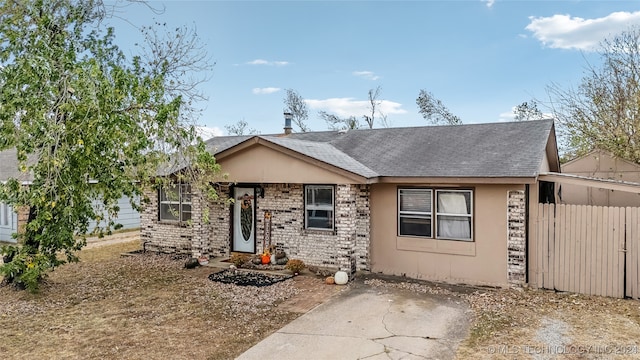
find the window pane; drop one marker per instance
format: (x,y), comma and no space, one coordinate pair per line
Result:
(450,202)
(418,200)
(169,193)
(415,226)
(454,227)
(320,219)
(169,212)
(186,212)
(323,196)
(185,192)
(309,195)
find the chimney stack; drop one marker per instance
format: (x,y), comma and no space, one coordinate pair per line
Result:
(287,122)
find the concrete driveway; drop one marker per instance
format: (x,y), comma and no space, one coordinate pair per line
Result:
(365,322)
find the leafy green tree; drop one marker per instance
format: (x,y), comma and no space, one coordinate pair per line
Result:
(603,111)
(434,110)
(87,124)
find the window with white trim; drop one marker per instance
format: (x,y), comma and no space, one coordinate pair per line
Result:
(318,207)
(453,218)
(175,203)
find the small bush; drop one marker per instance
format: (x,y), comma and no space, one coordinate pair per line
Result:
(295,266)
(240,259)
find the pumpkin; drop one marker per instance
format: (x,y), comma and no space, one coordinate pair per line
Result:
(341,277)
(266,258)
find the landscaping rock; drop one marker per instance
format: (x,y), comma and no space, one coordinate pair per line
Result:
(247,278)
(191,263)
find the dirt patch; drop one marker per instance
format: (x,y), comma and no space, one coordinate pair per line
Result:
(146,306)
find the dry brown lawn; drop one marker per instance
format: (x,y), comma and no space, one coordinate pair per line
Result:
(112,307)
(542,324)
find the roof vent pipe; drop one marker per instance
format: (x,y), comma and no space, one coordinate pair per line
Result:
(287,122)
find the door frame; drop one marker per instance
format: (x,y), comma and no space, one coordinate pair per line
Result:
(258,191)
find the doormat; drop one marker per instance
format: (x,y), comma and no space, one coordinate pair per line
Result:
(247,278)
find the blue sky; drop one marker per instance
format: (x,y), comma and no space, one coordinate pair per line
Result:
(481,58)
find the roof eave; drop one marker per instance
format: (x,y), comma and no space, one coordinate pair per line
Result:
(453,180)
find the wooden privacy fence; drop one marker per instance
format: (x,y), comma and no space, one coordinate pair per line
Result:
(592,250)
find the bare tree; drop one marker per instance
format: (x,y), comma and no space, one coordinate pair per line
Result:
(604,110)
(373,105)
(528,110)
(434,110)
(337,123)
(240,128)
(295,104)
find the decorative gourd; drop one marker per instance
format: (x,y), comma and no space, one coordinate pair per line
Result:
(341,278)
(266,258)
(330,280)
(273,259)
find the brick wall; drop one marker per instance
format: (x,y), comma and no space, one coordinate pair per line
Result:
(516,238)
(219,235)
(166,237)
(345,248)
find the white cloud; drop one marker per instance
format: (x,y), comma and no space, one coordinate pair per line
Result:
(345,107)
(208,132)
(263,91)
(266,62)
(507,116)
(489,2)
(567,32)
(369,75)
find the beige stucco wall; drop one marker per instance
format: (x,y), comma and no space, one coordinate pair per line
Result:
(483,261)
(260,164)
(600,165)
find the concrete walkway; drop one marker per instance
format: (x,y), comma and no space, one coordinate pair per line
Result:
(364,322)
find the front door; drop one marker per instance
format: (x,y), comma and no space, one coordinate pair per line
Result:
(244,239)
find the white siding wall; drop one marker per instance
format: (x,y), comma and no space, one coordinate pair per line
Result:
(8,223)
(128,217)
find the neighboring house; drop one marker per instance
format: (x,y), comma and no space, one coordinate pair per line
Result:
(446,203)
(12,220)
(603,165)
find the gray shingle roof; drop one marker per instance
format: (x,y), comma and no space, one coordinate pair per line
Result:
(479,150)
(9,166)
(513,149)
(324,152)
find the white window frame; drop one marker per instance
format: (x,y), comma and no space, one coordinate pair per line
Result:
(321,207)
(4,216)
(468,216)
(435,214)
(181,197)
(415,214)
